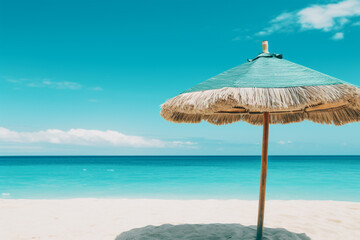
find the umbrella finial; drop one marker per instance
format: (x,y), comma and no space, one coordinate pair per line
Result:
(265,46)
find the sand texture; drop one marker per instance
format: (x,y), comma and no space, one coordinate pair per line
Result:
(125,219)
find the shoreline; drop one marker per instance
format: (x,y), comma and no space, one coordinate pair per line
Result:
(105,218)
(172,199)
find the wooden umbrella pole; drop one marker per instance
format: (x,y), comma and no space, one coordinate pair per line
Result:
(264,160)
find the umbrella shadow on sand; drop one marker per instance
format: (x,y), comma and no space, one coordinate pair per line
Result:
(214,231)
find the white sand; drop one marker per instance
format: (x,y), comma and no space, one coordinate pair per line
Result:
(104,219)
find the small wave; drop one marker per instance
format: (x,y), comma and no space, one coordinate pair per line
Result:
(110,170)
(5,194)
(84,169)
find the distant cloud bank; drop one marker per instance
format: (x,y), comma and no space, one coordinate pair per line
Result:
(325,17)
(86,137)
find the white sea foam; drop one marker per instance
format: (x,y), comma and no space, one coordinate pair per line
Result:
(5,194)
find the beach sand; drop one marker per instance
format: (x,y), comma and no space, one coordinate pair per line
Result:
(105,219)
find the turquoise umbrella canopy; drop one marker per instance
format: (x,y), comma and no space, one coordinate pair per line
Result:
(268,83)
(267,70)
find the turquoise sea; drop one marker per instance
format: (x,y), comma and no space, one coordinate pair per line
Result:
(180,177)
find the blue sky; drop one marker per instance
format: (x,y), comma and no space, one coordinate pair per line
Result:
(88,77)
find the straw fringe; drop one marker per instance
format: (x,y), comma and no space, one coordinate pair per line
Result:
(194,107)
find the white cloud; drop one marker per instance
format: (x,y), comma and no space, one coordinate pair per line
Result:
(56,85)
(282,23)
(284,142)
(86,138)
(97,89)
(338,36)
(47,83)
(329,16)
(325,17)
(238,38)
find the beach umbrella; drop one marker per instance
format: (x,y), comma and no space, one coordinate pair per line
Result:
(266,90)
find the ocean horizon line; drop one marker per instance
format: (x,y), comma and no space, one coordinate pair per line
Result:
(214,155)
